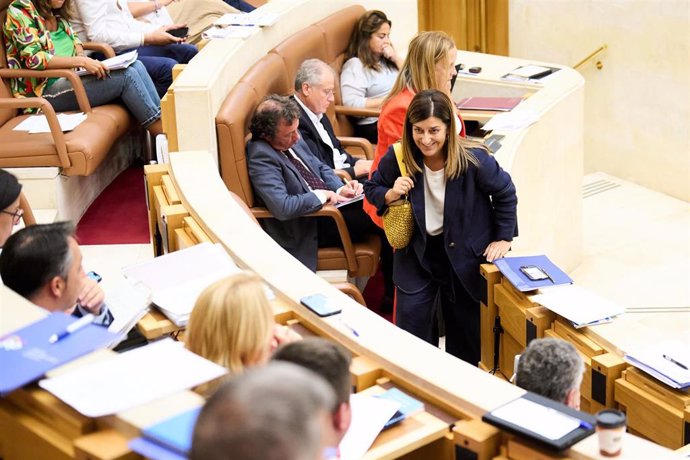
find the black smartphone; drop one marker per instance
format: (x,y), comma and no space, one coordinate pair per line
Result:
(475,69)
(94,276)
(458,68)
(320,304)
(180,33)
(534,273)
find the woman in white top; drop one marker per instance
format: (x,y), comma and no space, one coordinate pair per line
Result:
(370,69)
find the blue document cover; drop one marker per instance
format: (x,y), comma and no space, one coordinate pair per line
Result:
(174,433)
(511,269)
(150,449)
(408,405)
(27,354)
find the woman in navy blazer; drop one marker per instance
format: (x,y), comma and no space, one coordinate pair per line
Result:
(465,213)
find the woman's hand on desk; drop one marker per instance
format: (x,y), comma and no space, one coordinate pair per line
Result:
(496,250)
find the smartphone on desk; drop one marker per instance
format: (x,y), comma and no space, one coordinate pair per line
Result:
(320,304)
(534,273)
(180,33)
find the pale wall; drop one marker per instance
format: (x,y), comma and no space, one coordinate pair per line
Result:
(637,108)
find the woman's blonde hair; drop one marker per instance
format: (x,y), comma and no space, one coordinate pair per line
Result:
(419,70)
(435,103)
(232,322)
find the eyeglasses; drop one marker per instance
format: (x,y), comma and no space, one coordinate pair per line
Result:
(16,215)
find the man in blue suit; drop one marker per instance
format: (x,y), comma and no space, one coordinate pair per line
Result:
(292,182)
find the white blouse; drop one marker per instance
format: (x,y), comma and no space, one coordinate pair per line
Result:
(434,198)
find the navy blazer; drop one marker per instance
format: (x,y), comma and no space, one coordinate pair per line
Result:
(480,207)
(318,146)
(279,187)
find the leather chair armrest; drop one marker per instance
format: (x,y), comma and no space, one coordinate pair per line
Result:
(350,290)
(335,214)
(342,174)
(103,48)
(47,109)
(356,112)
(261,213)
(28,216)
(360,143)
(79,91)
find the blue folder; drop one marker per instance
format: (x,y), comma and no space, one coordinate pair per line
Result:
(26,354)
(152,450)
(510,267)
(408,405)
(174,433)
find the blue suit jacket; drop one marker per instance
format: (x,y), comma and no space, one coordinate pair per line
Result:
(480,207)
(279,187)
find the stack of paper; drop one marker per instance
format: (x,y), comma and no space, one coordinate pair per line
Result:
(228,32)
(27,354)
(128,304)
(667,361)
(369,416)
(512,121)
(254,18)
(495,104)
(132,378)
(39,123)
(177,279)
(578,305)
(121,61)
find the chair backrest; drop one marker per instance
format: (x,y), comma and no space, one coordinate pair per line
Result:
(308,43)
(5,91)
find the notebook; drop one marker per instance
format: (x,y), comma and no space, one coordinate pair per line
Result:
(174,433)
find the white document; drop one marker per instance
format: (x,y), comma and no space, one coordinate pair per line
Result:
(369,415)
(529,71)
(577,304)
(542,420)
(133,378)
(668,361)
(254,18)
(39,123)
(177,279)
(511,121)
(121,61)
(228,32)
(128,305)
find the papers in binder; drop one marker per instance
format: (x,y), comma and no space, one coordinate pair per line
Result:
(350,201)
(128,304)
(578,305)
(27,354)
(177,279)
(132,378)
(510,268)
(241,32)
(667,361)
(39,123)
(369,415)
(121,61)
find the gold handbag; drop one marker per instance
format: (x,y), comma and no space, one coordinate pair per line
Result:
(398,219)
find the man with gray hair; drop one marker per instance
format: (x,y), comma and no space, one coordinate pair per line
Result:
(276,412)
(292,182)
(551,368)
(314,85)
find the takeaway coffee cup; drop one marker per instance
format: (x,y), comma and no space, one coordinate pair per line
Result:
(610,429)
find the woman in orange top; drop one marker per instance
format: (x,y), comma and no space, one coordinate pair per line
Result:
(430,64)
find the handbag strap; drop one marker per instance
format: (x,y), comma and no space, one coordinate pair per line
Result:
(397,147)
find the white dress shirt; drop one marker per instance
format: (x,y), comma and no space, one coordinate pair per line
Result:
(339,158)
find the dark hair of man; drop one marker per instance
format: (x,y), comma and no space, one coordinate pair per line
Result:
(269,113)
(367,25)
(10,188)
(550,368)
(271,412)
(44,9)
(325,358)
(34,255)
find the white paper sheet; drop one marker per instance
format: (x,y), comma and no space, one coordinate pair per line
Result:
(133,378)
(369,415)
(39,123)
(577,304)
(228,32)
(128,305)
(668,361)
(121,61)
(255,18)
(512,121)
(542,420)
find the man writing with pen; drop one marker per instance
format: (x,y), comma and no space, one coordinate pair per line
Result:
(42,263)
(292,182)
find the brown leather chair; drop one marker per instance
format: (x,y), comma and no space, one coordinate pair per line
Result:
(28,216)
(232,122)
(78,152)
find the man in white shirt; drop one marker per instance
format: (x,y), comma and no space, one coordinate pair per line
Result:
(314,85)
(42,263)
(111,22)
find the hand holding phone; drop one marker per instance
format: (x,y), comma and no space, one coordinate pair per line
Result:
(320,304)
(182,32)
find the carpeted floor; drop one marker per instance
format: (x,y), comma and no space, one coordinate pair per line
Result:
(118,215)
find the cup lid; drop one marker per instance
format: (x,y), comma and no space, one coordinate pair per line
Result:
(610,418)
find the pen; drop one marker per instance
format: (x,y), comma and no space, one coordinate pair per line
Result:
(72,328)
(585,425)
(677,363)
(352,329)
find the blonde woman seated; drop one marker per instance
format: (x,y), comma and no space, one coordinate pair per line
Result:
(232,324)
